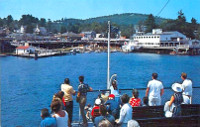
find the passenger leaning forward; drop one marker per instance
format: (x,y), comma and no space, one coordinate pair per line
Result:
(68,100)
(125,112)
(154,91)
(82,92)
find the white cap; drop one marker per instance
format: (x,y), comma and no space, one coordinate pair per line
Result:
(177,87)
(97,101)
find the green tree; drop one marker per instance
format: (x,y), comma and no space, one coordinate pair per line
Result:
(198,33)
(42,22)
(63,29)
(181,22)
(49,25)
(29,28)
(28,19)
(127,31)
(55,31)
(150,23)
(140,24)
(1,22)
(9,20)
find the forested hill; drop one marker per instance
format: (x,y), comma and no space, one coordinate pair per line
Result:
(120,22)
(124,19)
(120,19)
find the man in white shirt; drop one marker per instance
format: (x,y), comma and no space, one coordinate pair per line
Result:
(68,92)
(187,86)
(154,91)
(125,112)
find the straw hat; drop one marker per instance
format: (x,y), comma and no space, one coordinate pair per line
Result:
(177,87)
(97,101)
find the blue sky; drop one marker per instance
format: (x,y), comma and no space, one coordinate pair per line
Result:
(83,9)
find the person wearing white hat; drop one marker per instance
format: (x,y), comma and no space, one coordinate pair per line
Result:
(95,109)
(176,99)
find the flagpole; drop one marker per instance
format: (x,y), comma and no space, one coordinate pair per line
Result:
(108,71)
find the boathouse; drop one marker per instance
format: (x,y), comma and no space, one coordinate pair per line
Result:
(24,50)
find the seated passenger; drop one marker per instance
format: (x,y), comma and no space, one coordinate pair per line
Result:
(133,123)
(173,107)
(103,97)
(135,101)
(145,101)
(104,123)
(60,115)
(112,106)
(125,112)
(88,109)
(47,120)
(95,109)
(104,116)
(60,95)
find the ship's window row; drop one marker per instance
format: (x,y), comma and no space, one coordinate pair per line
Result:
(141,37)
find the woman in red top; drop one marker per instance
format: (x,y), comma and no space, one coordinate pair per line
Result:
(135,101)
(95,111)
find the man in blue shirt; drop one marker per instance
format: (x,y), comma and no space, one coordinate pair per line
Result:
(47,121)
(82,93)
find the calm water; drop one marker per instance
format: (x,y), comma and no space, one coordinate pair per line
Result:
(27,85)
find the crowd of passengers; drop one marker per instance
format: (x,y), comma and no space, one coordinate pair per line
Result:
(112,109)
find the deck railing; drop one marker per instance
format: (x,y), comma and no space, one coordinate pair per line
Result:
(91,96)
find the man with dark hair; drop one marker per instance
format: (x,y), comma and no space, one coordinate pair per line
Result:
(187,86)
(104,115)
(154,91)
(47,120)
(125,112)
(68,100)
(82,93)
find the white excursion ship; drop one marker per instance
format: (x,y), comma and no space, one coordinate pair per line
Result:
(157,40)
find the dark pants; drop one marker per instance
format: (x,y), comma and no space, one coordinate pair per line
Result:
(69,109)
(82,103)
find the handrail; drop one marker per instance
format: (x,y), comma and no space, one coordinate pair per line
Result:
(135,88)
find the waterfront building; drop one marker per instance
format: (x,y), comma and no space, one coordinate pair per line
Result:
(24,50)
(88,35)
(70,36)
(40,30)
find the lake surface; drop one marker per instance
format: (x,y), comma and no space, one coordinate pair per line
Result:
(27,85)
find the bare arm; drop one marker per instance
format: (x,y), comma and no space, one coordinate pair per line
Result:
(90,89)
(171,101)
(161,92)
(147,92)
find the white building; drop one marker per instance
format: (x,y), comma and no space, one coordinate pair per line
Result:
(158,38)
(24,50)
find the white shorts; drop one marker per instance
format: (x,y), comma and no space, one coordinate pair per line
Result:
(154,101)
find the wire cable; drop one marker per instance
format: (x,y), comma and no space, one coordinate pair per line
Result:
(163,8)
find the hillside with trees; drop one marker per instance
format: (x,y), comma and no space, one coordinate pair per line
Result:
(125,23)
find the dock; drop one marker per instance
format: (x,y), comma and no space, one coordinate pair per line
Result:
(41,55)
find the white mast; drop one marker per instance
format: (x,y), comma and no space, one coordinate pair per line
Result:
(108,71)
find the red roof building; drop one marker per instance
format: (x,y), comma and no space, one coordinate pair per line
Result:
(22,47)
